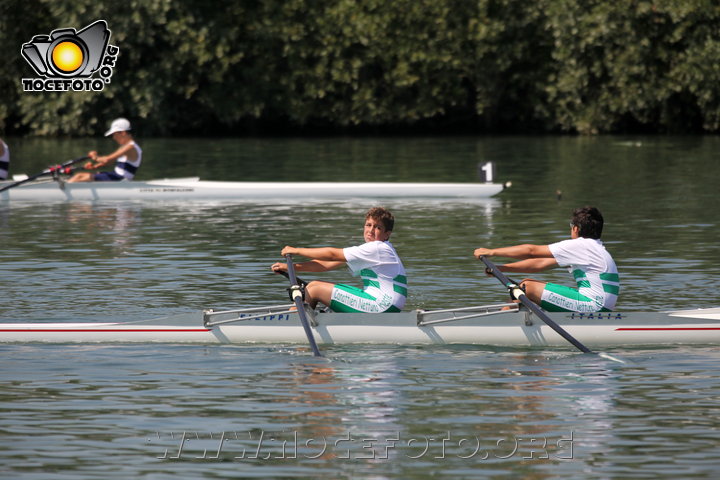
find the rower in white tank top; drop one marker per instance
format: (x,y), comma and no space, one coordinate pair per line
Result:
(127,157)
(126,167)
(4,160)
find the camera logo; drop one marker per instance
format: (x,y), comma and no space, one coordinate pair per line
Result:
(67,59)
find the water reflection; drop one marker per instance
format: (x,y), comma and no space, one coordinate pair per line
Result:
(344,411)
(312,394)
(114,226)
(4,222)
(368,411)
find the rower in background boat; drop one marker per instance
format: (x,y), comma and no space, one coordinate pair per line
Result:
(376,261)
(4,160)
(127,157)
(594,270)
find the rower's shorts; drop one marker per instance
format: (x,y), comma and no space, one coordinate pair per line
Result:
(559,298)
(349,299)
(107,177)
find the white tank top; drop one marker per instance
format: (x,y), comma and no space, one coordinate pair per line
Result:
(127,168)
(4,162)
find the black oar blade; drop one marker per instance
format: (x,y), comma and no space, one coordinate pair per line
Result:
(296,294)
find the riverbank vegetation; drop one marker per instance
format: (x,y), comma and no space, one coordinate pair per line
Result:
(190,67)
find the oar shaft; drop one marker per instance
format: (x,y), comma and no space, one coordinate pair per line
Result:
(296,294)
(532,306)
(45,172)
(299,280)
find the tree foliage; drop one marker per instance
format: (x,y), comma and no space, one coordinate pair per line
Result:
(192,67)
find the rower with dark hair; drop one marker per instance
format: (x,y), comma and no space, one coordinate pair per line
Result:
(376,261)
(594,270)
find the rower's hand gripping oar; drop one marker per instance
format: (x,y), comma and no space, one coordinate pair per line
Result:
(296,293)
(54,170)
(518,293)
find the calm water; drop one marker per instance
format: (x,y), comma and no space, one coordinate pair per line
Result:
(159,411)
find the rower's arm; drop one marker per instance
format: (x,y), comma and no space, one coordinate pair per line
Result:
(318,266)
(521,252)
(529,265)
(311,266)
(326,254)
(103,160)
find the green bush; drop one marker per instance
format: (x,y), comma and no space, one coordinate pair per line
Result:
(229,67)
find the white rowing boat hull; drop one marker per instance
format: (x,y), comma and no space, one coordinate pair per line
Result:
(195,189)
(485,327)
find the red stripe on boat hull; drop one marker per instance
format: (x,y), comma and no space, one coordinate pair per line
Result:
(646,329)
(105,330)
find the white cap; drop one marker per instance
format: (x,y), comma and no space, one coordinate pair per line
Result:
(118,125)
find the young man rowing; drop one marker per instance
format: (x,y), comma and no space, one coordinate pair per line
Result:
(376,261)
(598,282)
(127,157)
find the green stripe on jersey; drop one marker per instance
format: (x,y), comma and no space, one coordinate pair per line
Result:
(371,283)
(610,277)
(614,289)
(366,272)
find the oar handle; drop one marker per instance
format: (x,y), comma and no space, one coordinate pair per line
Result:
(62,168)
(296,295)
(518,294)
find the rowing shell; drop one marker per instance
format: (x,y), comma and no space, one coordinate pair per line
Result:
(485,325)
(196,189)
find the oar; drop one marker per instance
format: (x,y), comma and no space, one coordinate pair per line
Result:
(296,294)
(517,293)
(50,170)
(300,281)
